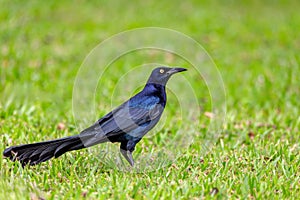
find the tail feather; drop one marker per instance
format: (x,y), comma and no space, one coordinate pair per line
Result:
(66,147)
(35,153)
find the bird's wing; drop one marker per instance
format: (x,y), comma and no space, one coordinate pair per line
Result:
(131,118)
(125,118)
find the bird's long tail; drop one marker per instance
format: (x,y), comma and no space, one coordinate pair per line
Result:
(35,153)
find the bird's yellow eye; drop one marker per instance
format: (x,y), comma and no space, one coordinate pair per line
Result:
(161,71)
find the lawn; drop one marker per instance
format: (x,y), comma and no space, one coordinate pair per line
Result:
(255,47)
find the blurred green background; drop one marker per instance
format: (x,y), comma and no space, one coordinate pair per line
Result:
(255,46)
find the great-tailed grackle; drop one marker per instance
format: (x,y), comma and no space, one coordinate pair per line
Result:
(126,124)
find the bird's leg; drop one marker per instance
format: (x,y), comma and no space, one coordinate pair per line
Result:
(126,149)
(128,155)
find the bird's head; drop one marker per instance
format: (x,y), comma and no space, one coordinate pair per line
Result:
(161,75)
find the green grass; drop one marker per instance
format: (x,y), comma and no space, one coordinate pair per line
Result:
(256,47)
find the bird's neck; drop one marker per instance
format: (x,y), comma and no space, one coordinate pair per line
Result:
(155,87)
(158,90)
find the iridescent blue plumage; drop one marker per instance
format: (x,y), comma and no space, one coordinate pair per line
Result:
(126,124)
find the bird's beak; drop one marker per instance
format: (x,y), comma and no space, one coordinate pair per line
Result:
(176,70)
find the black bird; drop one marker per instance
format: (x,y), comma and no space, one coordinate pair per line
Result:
(126,124)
